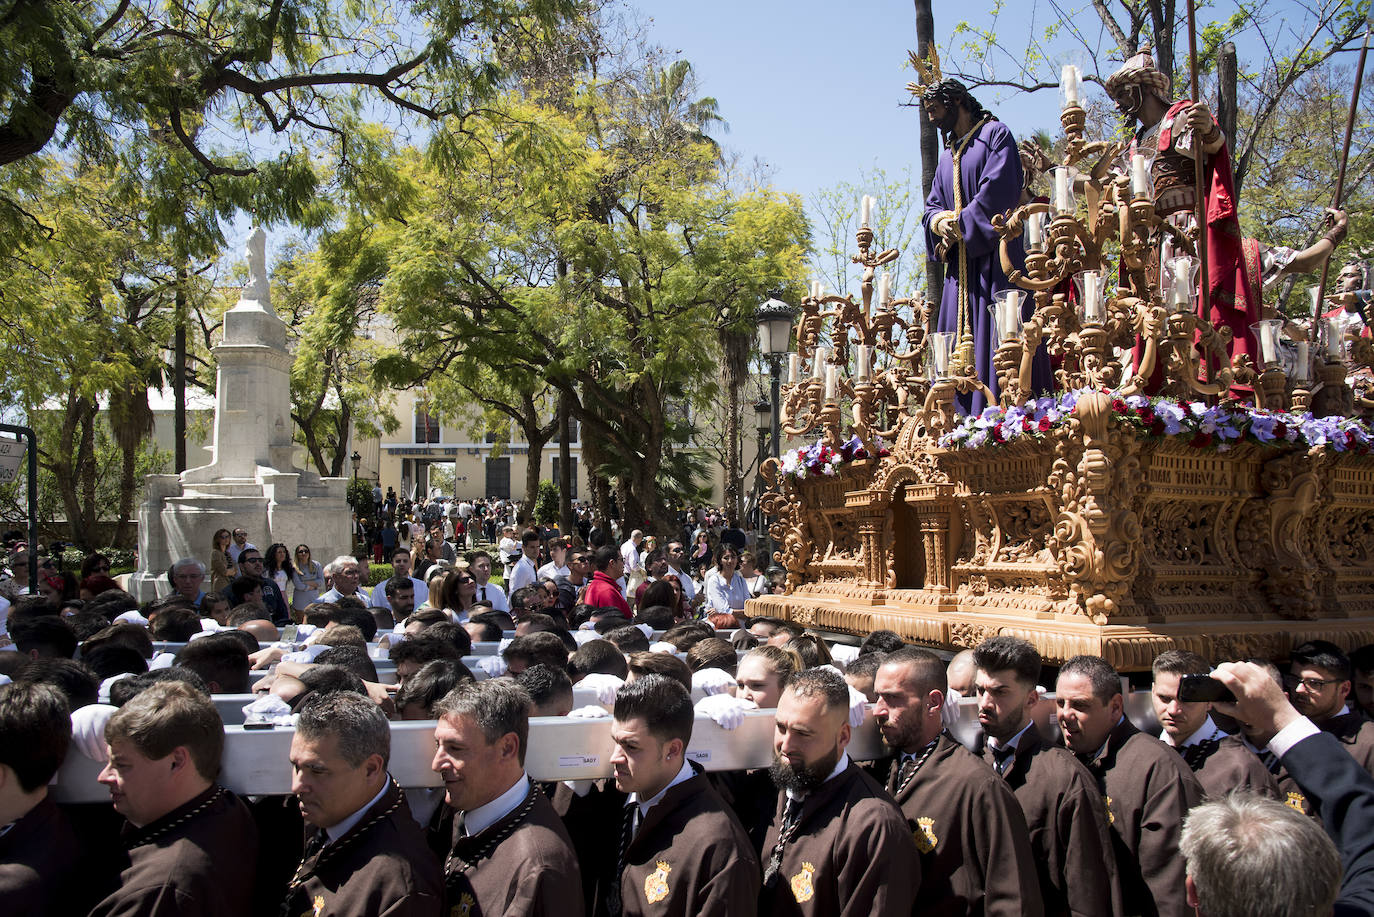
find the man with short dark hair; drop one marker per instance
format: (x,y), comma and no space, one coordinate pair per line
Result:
(525,571)
(683,851)
(530,649)
(1220,762)
(571,584)
(192,845)
(399,596)
(1147,787)
(1070,841)
(220,659)
(508,852)
(479,565)
(239,545)
(603,591)
(38,850)
(364,854)
(675,553)
(251,567)
(44,636)
(597,657)
(557,565)
(968,827)
(1319,683)
(550,690)
(410,655)
(838,844)
(400,567)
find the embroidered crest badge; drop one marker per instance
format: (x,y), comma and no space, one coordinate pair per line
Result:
(464,906)
(802,889)
(1111,816)
(1297,801)
(925,834)
(656,883)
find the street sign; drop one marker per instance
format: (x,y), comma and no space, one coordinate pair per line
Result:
(11,457)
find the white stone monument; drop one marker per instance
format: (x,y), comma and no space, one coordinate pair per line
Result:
(251,482)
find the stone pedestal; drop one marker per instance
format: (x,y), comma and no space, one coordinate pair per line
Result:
(250,483)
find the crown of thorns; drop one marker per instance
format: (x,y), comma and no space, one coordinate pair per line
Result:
(928,74)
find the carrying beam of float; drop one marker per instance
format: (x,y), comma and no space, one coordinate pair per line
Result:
(1345,151)
(1199,183)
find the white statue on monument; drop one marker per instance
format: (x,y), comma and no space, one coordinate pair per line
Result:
(258,287)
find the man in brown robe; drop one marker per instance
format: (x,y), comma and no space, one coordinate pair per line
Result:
(838,845)
(364,853)
(1147,788)
(679,849)
(1319,682)
(1069,836)
(1220,762)
(192,845)
(38,852)
(969,829)
(509,852)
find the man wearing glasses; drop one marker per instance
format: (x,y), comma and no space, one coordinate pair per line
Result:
(1318,683)
(239,545)
(251,569)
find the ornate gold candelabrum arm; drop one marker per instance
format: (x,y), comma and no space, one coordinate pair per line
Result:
(1186,364)
(801,407)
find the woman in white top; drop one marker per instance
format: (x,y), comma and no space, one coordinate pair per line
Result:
(726,591)
(307,579)
(756,581)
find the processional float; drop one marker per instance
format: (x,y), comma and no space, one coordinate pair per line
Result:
(1140,506)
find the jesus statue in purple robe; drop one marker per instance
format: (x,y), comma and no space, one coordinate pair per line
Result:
(958,228)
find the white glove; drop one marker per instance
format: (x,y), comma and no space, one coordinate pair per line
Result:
(581,637)
(162,661)
(949,713)
(727,711)
(589,712)
(604,685)
(858,707)
(647,630)
(268,709)
(844,653)
(711,682)
(662,647)
(103,694)
(88,730)
(494,665)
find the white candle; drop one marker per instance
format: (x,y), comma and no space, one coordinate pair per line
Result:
(1334,346)
(1035,231)
(818,366)
(1062,202)
(793,367)
(1092,296)
(1068,81)
(1010,319)
(815,289)
(1269,343)
(1139,182)
(831,383)
(867,210)
(884,286)
(862,360)
(941,359)
(1300,372)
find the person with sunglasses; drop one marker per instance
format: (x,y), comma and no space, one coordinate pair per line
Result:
(1318,683)
(307,580)
(252,568)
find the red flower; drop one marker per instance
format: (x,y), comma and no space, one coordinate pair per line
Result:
(1201,440)
(1281,430)
(1157,427)
(1119,406)
(1147,415)
(1025,425)
(1044,424)
(997,432)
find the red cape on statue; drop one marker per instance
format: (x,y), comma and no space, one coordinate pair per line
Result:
(1233,302)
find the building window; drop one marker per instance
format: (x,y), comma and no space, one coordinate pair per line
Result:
(572,466)
(426,426)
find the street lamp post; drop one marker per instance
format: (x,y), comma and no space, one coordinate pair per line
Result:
(763,410)
(775,342)
(357,460)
